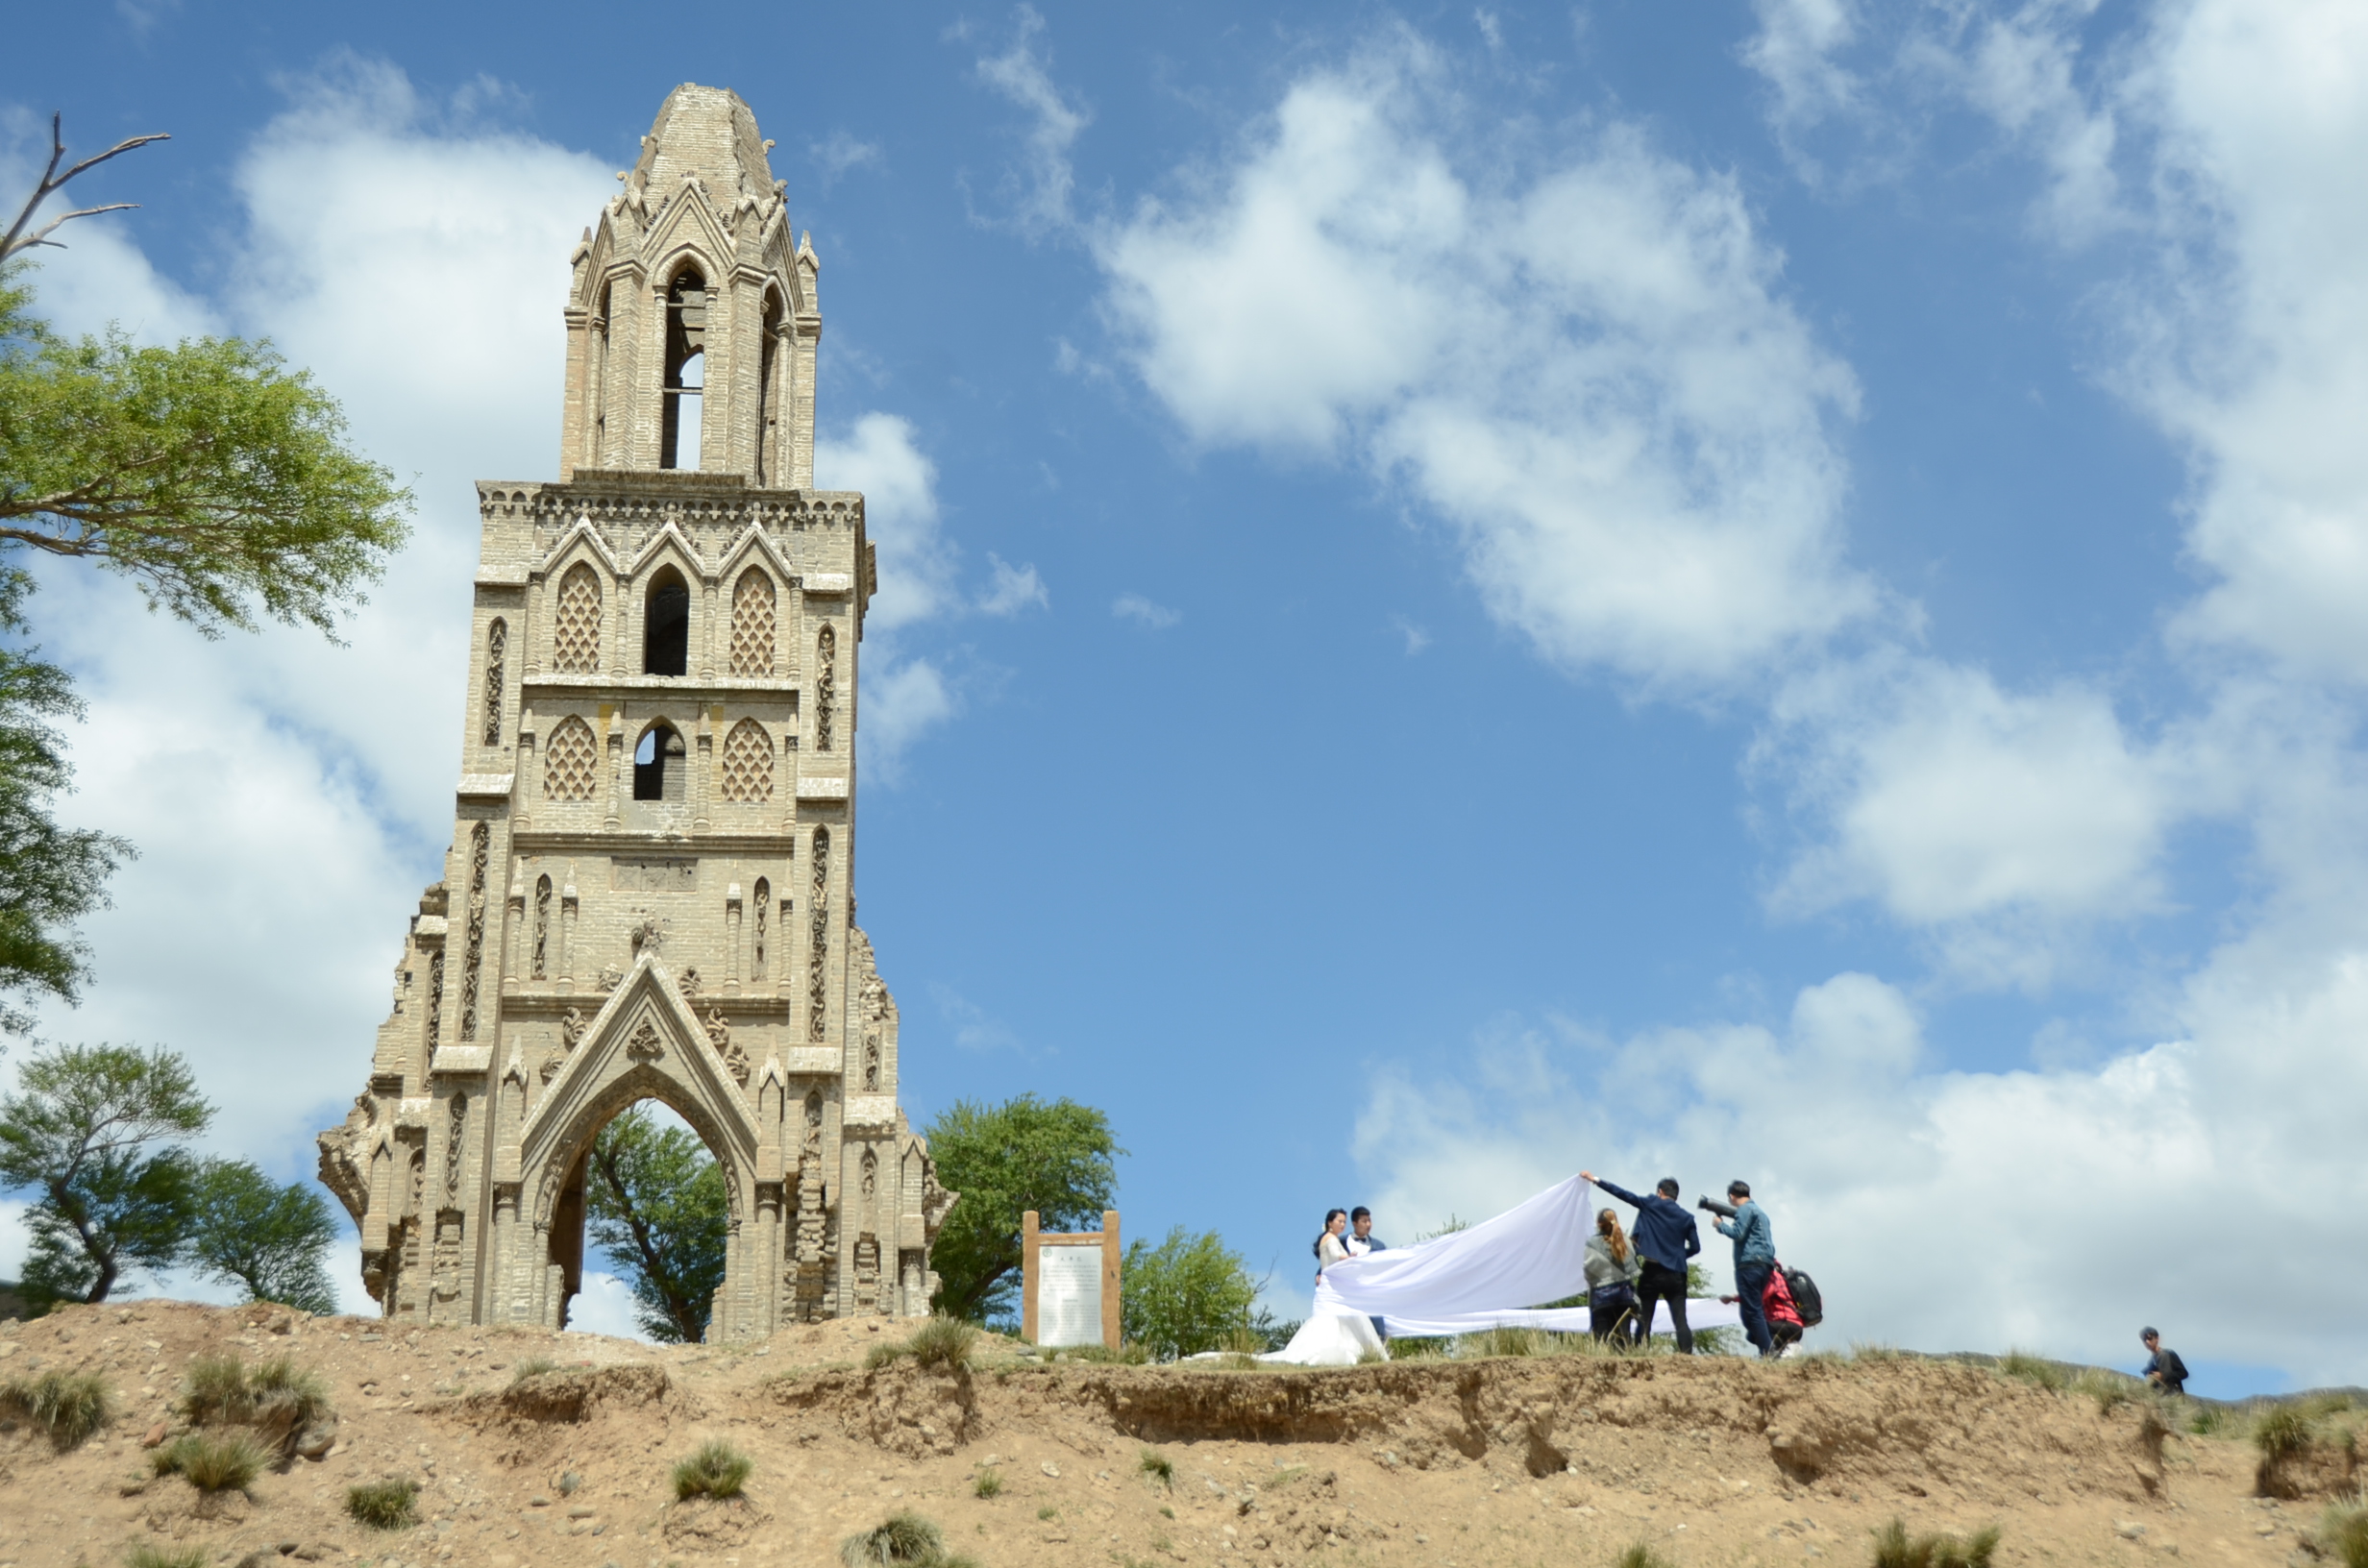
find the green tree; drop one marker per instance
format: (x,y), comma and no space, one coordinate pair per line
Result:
(654,1202)
(1057,1158)
(1188,1294)
(251,1231)
(215,478)
(95,1131)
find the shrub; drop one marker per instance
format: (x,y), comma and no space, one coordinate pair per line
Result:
(2343,1534)
(718,1470)
(71,1407)
(943,1343)
(385,1505)
(1640,1556)
(1895,1548)
(900,1538)
(988,1483)
(213,1461)
(145,1556)
(1156,1463)
(2280,1431)
(1188,1294)
(2033,1369)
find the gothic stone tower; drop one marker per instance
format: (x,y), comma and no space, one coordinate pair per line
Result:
(649,894)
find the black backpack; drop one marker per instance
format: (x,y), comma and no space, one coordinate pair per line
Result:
(1806,1299)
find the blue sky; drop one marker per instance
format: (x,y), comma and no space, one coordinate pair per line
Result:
(1740,589)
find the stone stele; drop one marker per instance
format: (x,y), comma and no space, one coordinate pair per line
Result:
(649,890)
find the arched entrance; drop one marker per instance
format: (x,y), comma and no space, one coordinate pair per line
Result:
(643,1228)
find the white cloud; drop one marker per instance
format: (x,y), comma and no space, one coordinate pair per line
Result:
(1796,49)
(840,152)
(1140,610)
(1948,1211)
(1585,366)
(1039,189)
(1012,589)
(903,701)
(606,1305)
(880,455)
(2002,816)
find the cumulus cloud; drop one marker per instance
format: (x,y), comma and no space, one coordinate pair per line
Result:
(1586,368)
(1144,612)
(1012,589)
(879,455)
(1037,192)
(839,153)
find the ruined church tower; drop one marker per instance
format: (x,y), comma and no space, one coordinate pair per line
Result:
(650,888)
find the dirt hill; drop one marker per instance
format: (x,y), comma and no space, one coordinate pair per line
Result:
(1505,1460)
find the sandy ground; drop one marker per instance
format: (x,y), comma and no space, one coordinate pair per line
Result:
(1552,1461)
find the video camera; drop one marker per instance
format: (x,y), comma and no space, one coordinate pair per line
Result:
(1724,1211)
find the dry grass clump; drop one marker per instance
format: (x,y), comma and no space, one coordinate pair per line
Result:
(1642,1555)
(718,1470)
(1128,1354)
(533,1366)
(1157,1464)
(213,1461)
(385,1505)
(71,1407)
(988,1483)
(144,1555)
(1895,1548)
(2343,1532)
(276,1397)
(2023,1365)
(902,1540)
(2280,1433)
(941,1342)
(2109,1389)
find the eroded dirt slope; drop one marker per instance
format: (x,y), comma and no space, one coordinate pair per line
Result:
(1549,1461)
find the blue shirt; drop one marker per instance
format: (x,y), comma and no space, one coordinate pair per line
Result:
(1664,1232)
(1755,1239)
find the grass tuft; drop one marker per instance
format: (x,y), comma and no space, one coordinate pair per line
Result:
(2209,1420)
(1895,1549)
(1642,1555)
(145,1556)
(2280,1431)
(718,1470)
(284,1392)
(2109,1389)
(1156,1463)
(988,1483)
(533,1366)
(214,1394)
(943,1343)
(71,1407)
(2024,1367)
(385,1505)
(1874,1350)
(2343,1534)
(900,1538)
(213,1461)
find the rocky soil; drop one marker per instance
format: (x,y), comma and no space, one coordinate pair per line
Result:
(1553,1460)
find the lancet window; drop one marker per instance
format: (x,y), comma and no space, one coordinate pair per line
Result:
(576,627)
(571,761)
(658,764)
(751,623)
(768,396)
(686,344)
(748,762)
(666,626)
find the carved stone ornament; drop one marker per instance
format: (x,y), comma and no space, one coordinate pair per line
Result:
(645,1045)
(572,1027)
(612,977)
(688,982)
(648,937)
(719,1036)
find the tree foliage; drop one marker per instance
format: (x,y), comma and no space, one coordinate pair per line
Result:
(95,1130)
(654,1202)
(274,1240)
(1188,1294)
(209,473)
(1057,1158)
(50,876)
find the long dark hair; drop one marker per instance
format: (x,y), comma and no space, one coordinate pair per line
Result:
(1329,1215)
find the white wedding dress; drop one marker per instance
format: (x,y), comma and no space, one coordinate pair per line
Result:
(1472,1279)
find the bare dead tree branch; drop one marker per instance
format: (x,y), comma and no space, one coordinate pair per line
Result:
(52,182)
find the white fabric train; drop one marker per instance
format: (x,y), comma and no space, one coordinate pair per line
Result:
(1468,1281)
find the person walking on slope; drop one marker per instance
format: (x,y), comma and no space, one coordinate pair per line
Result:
(1665,1236)
(1612,1269)
(2164,1368)
(1784,1313)
(1746,1222)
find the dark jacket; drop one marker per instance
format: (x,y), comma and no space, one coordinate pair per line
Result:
(2167,1365)
(1664,1232)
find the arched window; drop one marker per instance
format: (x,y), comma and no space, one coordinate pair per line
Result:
(571,761)
(600,375)
(576,626)
(666,626)
(748,762)
(657,765)
(768,397)
(686,344)
(497,649)
(751,623)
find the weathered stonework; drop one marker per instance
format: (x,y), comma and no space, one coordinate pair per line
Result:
(650,890)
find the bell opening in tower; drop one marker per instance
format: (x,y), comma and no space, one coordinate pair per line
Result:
(666,638)
(686,373)
(657,765)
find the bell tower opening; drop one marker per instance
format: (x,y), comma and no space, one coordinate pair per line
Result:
(686,369)
(657,764)
(666,635)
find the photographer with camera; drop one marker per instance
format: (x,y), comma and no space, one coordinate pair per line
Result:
(1664,1237)
(1755,1258)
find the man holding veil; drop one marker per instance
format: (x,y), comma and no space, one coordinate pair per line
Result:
(1665,1236)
